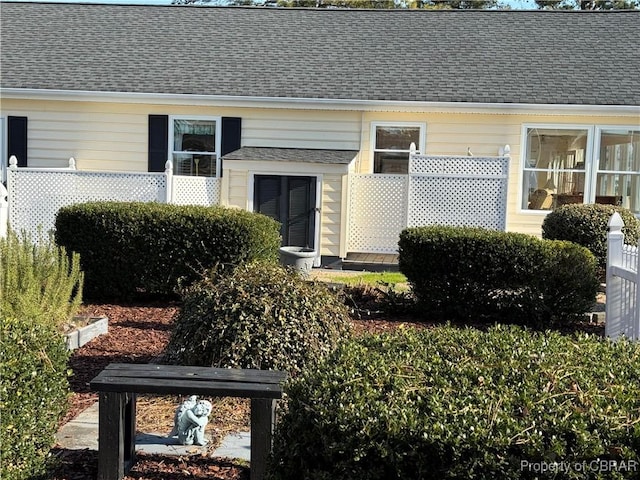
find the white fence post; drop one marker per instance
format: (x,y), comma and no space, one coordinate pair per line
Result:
(622,309)
(168,172)
(635,328)
(613,307)
(4,211)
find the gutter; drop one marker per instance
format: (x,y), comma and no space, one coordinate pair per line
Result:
(316,103)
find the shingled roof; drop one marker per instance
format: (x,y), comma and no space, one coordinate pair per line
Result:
(531,57)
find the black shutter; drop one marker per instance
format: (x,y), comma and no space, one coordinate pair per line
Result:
(17,139)
(158,142)
(231,130)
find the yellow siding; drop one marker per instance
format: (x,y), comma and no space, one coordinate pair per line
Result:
(113,136)
(484,134)
(237,193)
(301,129)
(330,226)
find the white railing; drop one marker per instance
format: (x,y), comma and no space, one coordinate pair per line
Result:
(461,191)
(34,195)
(622,310)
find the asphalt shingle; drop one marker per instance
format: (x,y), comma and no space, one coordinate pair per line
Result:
(548,57)
(338,157)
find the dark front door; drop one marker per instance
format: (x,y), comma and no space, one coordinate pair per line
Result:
(291,200)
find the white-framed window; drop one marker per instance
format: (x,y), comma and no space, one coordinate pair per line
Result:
(580,164)
(391,145)
(194,145)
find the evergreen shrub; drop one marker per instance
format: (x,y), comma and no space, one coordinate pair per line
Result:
(587,225)
(449,403)
(38,279)
(463,273)
(260,315)
(126,248)
(40,288)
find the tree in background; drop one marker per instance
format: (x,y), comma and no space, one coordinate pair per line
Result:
(382,4)
(588,4)
(423,4)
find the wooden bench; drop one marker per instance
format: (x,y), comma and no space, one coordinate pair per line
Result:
(119,383)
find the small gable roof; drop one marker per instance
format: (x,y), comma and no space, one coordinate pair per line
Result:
(306,155)
(530,57)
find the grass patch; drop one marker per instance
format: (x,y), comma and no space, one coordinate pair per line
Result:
(367,278)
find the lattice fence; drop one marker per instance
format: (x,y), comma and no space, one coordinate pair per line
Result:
(36,195)
(622,315)
(378,211)
(462,191)
(195,190)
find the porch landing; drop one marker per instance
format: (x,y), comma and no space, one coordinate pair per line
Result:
(372,262)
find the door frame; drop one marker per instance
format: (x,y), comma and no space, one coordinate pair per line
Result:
(318,203)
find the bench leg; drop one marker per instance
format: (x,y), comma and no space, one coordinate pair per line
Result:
(262,423)
(117,434)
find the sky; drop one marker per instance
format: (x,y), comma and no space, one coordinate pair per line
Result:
(518,4)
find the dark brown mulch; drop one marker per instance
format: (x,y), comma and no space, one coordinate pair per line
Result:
(83,465)
(138,333)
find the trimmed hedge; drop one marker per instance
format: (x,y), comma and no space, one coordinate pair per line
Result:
(259,316)
(587,225)
(39,290)
(452,403)
(130,247)
(463,273)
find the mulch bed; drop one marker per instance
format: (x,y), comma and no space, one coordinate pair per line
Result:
(138,333)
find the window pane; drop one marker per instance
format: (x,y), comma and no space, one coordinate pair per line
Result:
(397,138)
(620,150)
(554,167)
(559,188)
(194,164)
(556,148)
(391,162)
(616,189)
(194,135)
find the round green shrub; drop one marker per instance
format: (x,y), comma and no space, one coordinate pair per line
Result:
(463,273)
(131,247)
(587,225)
(34,390)
(259,316)
(451,403)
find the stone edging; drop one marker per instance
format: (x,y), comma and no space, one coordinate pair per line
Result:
(77,338)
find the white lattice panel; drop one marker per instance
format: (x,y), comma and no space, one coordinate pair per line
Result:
(195,190)
(457,201)
(36,196)
(377,212)
(461,191)
(460,166)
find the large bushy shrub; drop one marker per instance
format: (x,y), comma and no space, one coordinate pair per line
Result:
(259,316)
(152,247)
(38,279)
(39,290)
(587,225)
(453,403)
(462,273)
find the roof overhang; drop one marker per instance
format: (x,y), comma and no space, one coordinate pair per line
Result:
(306,155)
(316,103)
